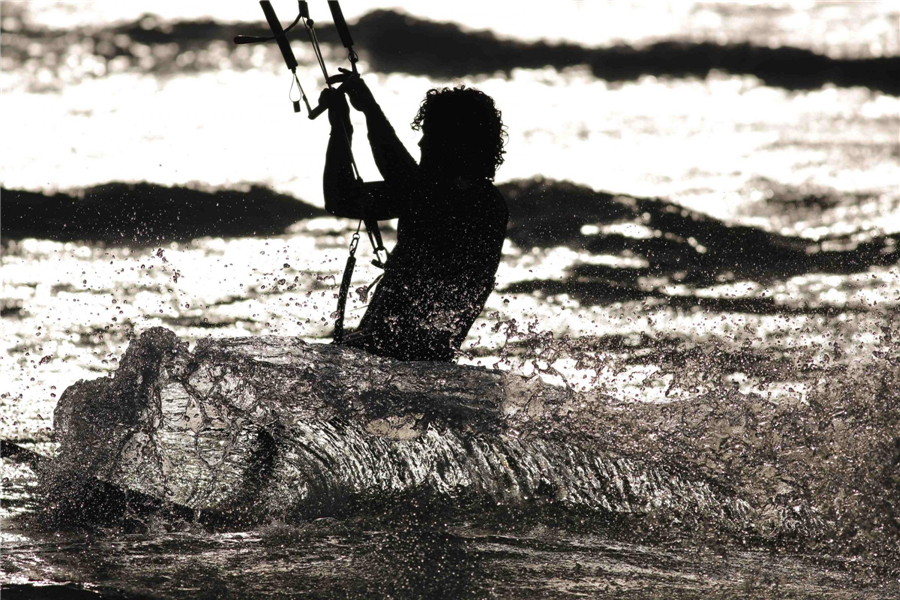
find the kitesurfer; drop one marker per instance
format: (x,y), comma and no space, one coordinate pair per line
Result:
(452,219)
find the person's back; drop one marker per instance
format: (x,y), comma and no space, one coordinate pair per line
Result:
(452,222)
(439,275)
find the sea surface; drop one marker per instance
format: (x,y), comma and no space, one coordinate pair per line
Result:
(705,220)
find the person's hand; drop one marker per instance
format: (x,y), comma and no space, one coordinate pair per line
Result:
(360,95)
(338,111)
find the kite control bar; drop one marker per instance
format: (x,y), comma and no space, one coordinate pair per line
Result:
(280,36)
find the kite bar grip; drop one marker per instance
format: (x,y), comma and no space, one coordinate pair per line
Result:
(340,24)
(315,112)
(249,39)
(282,40)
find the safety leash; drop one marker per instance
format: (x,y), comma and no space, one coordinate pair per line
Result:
(338,334)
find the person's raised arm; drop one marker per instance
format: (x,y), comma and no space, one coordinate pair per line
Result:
(345,196)
(341,189)
(393,160)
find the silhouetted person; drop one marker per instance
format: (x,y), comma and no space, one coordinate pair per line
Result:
(452,220)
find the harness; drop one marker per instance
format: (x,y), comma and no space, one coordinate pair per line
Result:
(280,36)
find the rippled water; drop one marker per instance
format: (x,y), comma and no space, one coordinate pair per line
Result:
(729,305)
(326,560)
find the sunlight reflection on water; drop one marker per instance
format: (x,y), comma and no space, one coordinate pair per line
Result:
(702,144)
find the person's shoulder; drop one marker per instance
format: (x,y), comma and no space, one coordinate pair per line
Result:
(481,202)
(497,201)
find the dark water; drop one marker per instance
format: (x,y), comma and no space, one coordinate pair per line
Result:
(728,307)
(349,559)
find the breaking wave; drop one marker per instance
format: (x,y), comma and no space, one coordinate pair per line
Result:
(227,434)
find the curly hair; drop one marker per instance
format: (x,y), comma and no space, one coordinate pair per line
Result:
(469,126)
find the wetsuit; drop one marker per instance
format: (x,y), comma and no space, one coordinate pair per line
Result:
(449,239)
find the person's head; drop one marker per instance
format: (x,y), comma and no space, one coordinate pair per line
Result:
(462,133)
